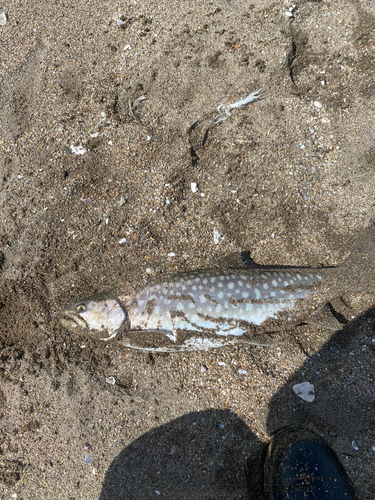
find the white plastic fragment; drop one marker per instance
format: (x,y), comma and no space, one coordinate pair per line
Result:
(127,47)
(325,120)
(122,241)
(94,135)
(221,363)
(171,254)
(78,150)
(354,446)
(305,391)
(317,104)
(3,19)
(242,372)
(194,187)
(110,380)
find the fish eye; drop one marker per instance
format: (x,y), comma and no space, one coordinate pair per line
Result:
(81,308)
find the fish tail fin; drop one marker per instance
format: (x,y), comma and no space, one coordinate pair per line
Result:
(358,271)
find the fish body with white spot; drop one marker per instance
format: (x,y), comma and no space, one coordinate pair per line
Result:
(203,309)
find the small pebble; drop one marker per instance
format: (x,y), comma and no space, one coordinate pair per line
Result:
(216,236)
(317,104)
(305,391)
(203,369)
(87,458)
(3,19)
(121,201)
(78,150)
(87,447)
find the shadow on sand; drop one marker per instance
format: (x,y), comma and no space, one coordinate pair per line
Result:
(213,455)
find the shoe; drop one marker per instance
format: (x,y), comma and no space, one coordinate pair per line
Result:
(301,466)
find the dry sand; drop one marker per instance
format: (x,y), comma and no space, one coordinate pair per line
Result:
(290,178)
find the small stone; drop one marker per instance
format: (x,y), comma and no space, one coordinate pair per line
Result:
(305,391)
(78,150)
(121,201)
(203,369)
(3,19)
(216,236)
(317,104)
(87,447)
(325,120)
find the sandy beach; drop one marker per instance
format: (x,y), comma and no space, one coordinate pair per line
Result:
(117,167)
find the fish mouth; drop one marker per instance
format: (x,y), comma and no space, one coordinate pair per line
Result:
(71,320)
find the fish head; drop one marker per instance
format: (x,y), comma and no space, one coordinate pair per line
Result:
(100,314)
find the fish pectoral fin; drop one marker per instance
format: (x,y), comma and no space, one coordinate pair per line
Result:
(325,318)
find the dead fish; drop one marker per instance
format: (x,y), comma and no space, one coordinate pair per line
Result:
(206,309)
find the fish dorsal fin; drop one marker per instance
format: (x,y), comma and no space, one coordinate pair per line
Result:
(243,260)
(234,260)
